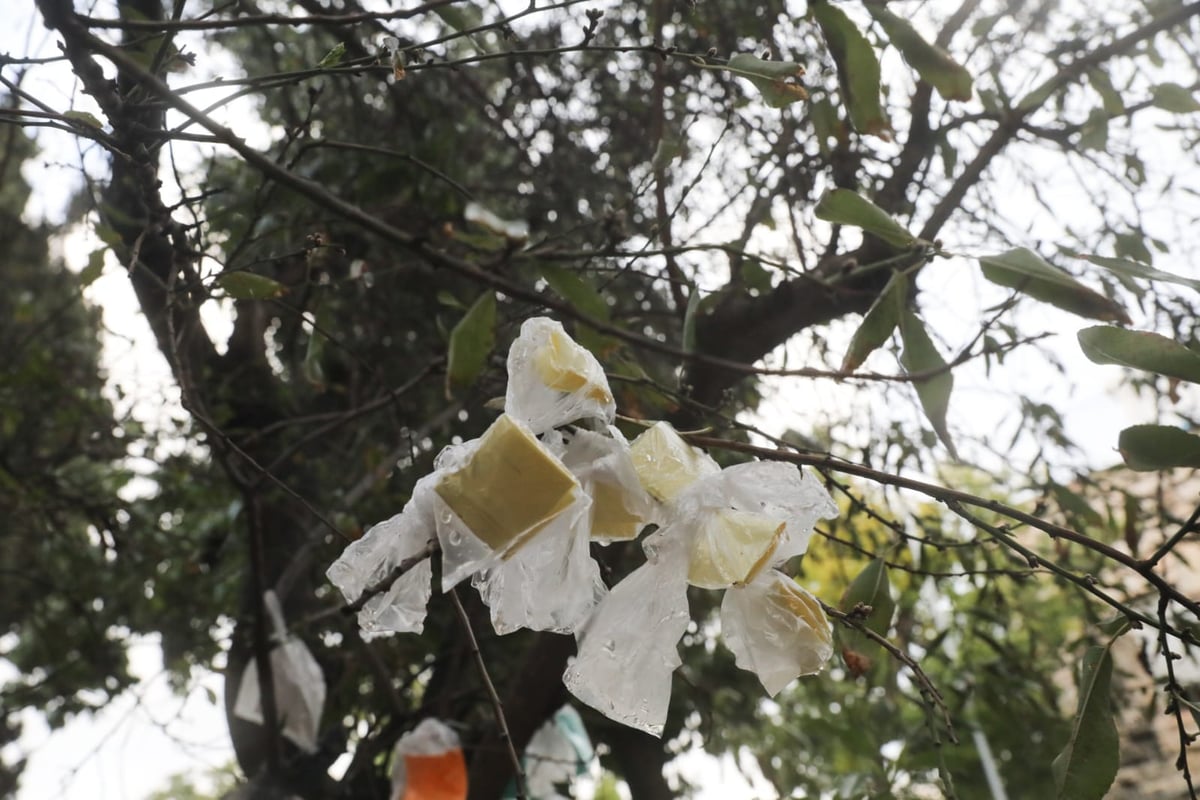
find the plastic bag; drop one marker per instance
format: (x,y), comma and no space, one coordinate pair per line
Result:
(365,562)
(298,681)
(553,381)
(776,630)
(628,650)
(559,752)
(666,465)
(621,508)
(549,584)
(428,764)
(493,495)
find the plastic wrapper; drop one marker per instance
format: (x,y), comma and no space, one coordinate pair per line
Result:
(428,764)
(559,752)
(298,681)
(365,562)
(780,491)
(604,466)
(551,583)
(666,465)
(553,381)
(628,650)
(776,630)
(493,495)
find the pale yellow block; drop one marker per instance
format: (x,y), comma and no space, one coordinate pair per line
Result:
(562,365)
(732,548)
(805,607)
(666,464)
(509,488)
(611,520)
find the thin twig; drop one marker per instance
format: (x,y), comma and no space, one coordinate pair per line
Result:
(497,706)
(1174,706)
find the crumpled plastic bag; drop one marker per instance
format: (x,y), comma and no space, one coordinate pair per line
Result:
(428,764)
(298,681)
(553,381)
(776,630)
(621,507)
(559,752)
(628,651)
(370,559)
(745,518)
(549,584)
(494,494)
(666,465)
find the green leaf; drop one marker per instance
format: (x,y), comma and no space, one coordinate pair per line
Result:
(776,80)
(920,355)
(1174,98)
(249,286)
(1147,448)
(1094,133)
(1087,766)
(95,266)
(689,320)
(576,290)
(1109,96)
(850,208)
(471,343)
(857,68)
(88,119)
(879,322)
(870,587)
(1140,350)
(934,65)
(1025,271)
(333,57)
(1136,269)
(313,367)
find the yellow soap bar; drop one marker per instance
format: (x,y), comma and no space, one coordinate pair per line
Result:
(562,365)
(509,488)
(611,520)
(666,464)
(731,548)
(804,606)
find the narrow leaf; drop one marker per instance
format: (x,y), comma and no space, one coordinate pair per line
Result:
(878,324)
(1147,448)
(776,80)
(1136,269)
(920,355)
(1174,98)
(1140,350)
(333,57)
(95,266)
(850,208)
(576,290)
(88,119)
(870,587)
(857,69)
(249,286)
(471,343)
(1086,767)
(934,65)
(1024,270)
(313,366)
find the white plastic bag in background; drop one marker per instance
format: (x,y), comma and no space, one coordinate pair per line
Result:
(298,680)
(428,764)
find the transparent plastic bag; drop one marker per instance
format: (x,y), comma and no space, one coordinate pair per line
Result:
(553,381)
(549,584)
(666,465)
(298,681)
(776,630)
(370,559)
(621,507)
(628,651)
(493,495)
(559,752)
(428,764)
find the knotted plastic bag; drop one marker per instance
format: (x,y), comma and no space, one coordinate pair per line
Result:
(628,650)
(428,764)
(776,630)
(370,559)
(298,681)
(552,381)
(603,464)
(494,494)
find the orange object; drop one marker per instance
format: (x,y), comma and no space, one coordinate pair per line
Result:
(428,764)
